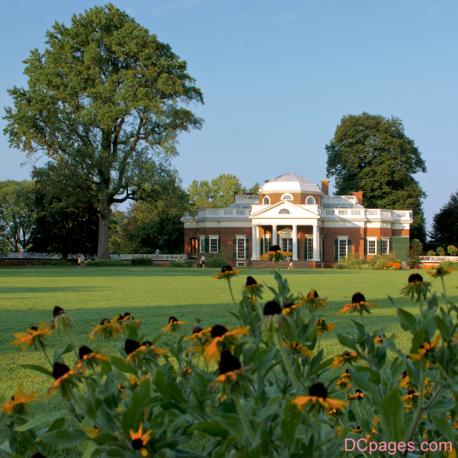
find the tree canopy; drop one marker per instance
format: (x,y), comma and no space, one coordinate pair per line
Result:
(373,154)
(217,193)
(104,100)
(445,223)
(17,214)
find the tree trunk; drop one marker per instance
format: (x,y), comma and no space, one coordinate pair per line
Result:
(103,248)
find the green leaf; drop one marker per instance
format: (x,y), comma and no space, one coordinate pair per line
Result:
(64,438)
(138,401)
(393,415)
(42,420)
(212,428)
(407,320)
(37,368)
(121,365)
(347,341)
(444,428)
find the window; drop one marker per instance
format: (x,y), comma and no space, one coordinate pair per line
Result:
(286,197)
(265,244)
(266,200)
(213,245)
(284,211)
(309,247)
(342,248)
(385,246)
(371,245)
(286,244)
(310,200)
(202,243)
(241,247)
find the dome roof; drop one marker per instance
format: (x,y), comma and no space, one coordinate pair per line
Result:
(290,182)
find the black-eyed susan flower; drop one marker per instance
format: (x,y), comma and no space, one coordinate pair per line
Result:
(291,307)
(107,329)
(221,335)
(138,440)
(134,349)
(173,324)
(416,287)
(345,357)
(251,285)
(228,367)
(344,381)
(440,271)
(356,429)
(33,336)
(86,354)
(318,395)
(63,376)
(37,455)
(61,322)
(298,348)
(313,301)
(358,395)
(126,316)
(379,339)
(405,380)
(322,326)
(409,399)
(425,348)
(18,402)
(227,272)
(272,308)
(358,304)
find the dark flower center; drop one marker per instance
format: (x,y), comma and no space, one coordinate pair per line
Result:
(130,345)
(357,298)
(271,308)
(410,392)
(405,374)
(83,351)
(218,330)
(137,444)
(275,248)
(173,319)
(228,362)
(226,268)
(147,343)
(359,391)
(415,278)
(196,329)
(59,370)
(37,455)
(250,281)
(57,311)
(312,294)
(125,316)
(318,390)
(104,321)
(33,328)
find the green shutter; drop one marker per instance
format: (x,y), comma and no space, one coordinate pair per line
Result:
(206,244)
(336,249)
(400,247)
(379,246)
(247,248)
(219,245)
(349,252)
(365,247)
(234,248)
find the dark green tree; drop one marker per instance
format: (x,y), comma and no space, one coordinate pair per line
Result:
(373,154)
(445,223)
(103,99)
(17,214)
(67,219)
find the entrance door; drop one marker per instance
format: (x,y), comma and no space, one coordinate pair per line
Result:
(286,244)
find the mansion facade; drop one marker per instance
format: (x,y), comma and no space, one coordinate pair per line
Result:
(302,218)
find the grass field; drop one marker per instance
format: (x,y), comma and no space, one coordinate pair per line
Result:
(27,296)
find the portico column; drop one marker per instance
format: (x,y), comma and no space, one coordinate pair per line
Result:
(274,235)
(294,234)
(316,243)
(254,243)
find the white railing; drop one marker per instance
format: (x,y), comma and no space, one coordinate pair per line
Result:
(153,257)
(370,213)
(29,255)
(438,259)
(225,212)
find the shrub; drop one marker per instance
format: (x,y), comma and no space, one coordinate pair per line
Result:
(452,250)
(105,263)
(351,262)
(182,263)
(141,262)
(384,262)
(431,253)
(214,261)
(265,385)
(440,251)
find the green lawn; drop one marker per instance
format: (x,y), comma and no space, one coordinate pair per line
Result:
(27,296)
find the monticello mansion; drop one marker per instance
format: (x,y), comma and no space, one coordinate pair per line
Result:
(302,218)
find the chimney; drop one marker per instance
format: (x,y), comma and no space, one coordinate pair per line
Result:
(325,187)
(359,197)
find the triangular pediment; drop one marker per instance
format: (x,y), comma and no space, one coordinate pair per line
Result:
(284,209)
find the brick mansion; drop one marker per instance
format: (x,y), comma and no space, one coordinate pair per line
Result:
(302,218)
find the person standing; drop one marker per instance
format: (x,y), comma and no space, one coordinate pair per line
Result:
(202,261)
(290,263)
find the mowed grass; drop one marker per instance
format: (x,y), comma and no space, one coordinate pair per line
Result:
(27,296)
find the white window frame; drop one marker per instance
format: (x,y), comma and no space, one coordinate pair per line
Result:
(202,243)
(266,243)
(211,238)
(368,251)
(237,239)
(388,247)
(287,194)
(308,253)
(264,200)
(310,197)
(342,238)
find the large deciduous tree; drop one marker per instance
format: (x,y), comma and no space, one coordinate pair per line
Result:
(445,223)
(103,100)
(371,153)
(17,214)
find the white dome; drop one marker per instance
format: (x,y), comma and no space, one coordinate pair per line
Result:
(290,182)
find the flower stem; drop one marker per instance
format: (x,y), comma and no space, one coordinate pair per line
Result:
(246,424)
(287,364)
(443,286)
(230,290)
(419,407)
(45,353)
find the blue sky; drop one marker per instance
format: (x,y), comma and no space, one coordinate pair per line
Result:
(278,76)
